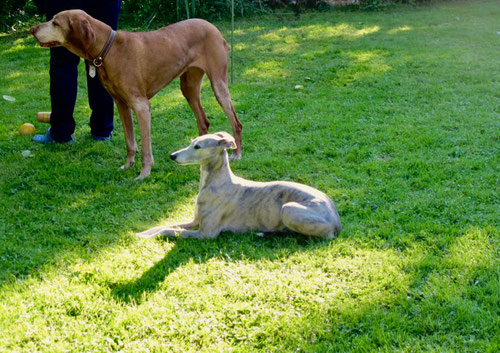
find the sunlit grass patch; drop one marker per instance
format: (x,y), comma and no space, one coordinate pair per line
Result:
(318,31)
(399,29)
(268,69)
(344,30)
(473,251)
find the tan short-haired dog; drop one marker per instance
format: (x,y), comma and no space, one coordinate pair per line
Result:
(227,202)
(133,67)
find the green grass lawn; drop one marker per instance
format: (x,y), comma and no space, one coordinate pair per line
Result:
(397,121)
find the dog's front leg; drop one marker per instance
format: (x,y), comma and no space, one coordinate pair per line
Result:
(184,233)
(167,231)
(128,129)
(172,232)
(142,110)
(189,225)
(152,232)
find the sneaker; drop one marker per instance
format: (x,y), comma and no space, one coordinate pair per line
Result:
(47,138)
(102,138)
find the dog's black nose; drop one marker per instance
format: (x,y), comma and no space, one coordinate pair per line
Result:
(173,156)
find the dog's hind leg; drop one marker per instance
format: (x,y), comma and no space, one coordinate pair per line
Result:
(191,82)
(218,80)
(306,219)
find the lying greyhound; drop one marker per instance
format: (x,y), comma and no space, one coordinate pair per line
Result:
(133,67)
(227,202)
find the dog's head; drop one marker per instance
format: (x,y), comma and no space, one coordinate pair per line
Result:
(71,29)
(204,149)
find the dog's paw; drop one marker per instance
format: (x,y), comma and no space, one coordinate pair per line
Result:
(142,176)
(127,165)
(145,235)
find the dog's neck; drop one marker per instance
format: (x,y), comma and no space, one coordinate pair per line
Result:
(216,171)
(102,31)
(100,42)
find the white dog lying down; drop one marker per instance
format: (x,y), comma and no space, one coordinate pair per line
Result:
(227,202)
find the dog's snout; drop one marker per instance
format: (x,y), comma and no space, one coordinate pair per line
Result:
(34,29)
(173,156)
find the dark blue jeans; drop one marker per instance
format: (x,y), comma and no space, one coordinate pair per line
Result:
(64,75)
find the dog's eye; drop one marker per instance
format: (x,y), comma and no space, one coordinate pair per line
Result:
(55,24)
(196,147)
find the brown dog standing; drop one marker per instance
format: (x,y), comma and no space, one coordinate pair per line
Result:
(139,64)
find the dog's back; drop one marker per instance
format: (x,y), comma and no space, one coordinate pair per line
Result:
(245,205)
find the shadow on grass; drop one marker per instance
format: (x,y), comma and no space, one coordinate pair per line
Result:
(373,297)
(227,246)
(71,201)
(444,299)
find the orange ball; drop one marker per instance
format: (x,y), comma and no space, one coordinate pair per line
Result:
(27,129)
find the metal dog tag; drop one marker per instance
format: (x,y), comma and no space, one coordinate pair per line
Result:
(92,71)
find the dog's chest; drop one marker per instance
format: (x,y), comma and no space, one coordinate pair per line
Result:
(106,83)
(212,201)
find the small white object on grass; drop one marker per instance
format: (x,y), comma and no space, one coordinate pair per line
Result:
(8,98)
(27,153)
(297,87)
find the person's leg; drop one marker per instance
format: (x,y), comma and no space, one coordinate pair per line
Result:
(63,84)
(100,102)
(63,89)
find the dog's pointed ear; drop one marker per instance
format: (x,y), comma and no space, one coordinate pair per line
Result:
(226,140)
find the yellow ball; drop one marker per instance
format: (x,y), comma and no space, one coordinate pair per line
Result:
(27,129)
